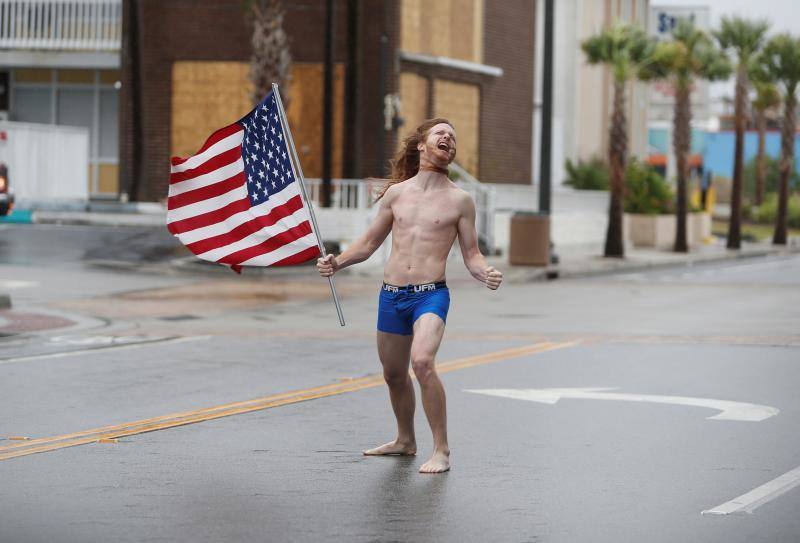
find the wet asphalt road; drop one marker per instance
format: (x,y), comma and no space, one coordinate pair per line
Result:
(574,470)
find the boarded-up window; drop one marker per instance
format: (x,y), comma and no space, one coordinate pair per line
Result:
(209,95)
(205,97)
(448,28)
(459,103)
(414,97)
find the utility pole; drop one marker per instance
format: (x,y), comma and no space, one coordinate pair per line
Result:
(352,138)
(327,122)
(383,61)
(545,156)
(131,178)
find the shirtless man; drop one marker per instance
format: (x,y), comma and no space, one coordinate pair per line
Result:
(425,212)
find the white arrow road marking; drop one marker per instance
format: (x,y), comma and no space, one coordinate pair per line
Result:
(728,410)
(757,497)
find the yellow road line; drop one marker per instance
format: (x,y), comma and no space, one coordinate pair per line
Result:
(106,433)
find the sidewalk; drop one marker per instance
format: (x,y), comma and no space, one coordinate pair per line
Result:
(583,261)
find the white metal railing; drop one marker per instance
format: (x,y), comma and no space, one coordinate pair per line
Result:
(484,205)
(345,193)
(87,25)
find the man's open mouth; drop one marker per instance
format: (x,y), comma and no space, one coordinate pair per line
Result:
(443,146)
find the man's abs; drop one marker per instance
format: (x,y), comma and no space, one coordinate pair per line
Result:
(416,264)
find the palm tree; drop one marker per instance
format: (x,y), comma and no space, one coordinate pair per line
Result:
(767,97)
(780,61)
(270,61)
(689,56)
(627,51)
(745,38)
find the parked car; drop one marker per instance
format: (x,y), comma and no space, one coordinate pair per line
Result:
(6,196)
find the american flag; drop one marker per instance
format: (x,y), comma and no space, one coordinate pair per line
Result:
(237,200)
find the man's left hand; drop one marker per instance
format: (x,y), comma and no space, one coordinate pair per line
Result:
(493,278)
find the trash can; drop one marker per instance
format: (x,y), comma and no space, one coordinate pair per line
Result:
(530,239)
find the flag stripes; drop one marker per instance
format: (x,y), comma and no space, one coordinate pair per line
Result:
(228,157)
(208,192)
(221,140)
(234,203)
(245,229)
(285,238)
(208,219)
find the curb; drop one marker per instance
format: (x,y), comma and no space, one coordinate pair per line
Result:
(100,219)
(518,275)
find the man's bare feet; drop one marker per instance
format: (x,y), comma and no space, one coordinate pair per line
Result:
(395,447)
(439,463)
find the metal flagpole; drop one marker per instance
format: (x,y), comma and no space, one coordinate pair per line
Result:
(299,174)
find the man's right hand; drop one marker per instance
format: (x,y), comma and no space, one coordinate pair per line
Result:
(327,265)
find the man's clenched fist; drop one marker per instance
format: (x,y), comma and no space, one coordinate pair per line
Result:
(327,266)
(493,278)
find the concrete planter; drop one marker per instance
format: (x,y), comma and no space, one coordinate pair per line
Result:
(658,231)
(699,225)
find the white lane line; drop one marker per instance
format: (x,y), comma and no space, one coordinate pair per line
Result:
(747,503)
(739,411)
(103,349)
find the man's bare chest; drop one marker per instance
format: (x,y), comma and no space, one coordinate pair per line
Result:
(428,214)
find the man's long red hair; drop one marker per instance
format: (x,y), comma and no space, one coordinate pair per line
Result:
(405,163)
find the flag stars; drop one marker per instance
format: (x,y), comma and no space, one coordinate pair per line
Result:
(267,164)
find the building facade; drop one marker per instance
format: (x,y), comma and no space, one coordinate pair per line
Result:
(582,93)
(60,65)
(395,64)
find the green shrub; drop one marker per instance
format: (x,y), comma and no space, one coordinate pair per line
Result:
(768,211)
(587,175)
(646,192)
(772,167)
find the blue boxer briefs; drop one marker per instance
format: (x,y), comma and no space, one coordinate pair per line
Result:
(400,307)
